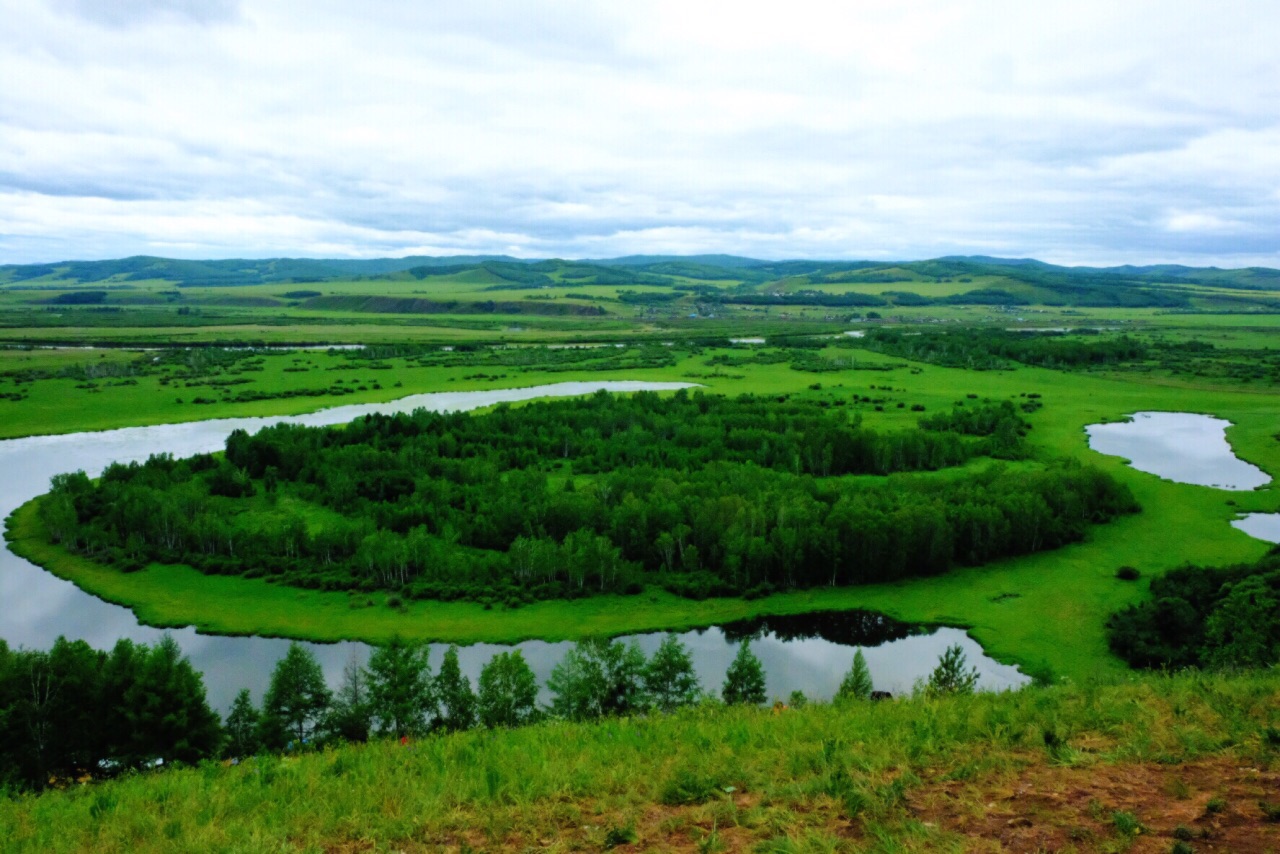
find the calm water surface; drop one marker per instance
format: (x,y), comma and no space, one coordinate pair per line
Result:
(809,653)
(1180,446)
(1263,526)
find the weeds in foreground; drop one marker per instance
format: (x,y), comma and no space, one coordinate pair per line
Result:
(713,777)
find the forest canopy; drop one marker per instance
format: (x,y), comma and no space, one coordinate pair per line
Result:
(701,494)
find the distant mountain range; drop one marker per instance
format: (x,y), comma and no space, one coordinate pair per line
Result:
(631,269)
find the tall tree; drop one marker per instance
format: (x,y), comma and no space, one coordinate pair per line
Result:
(350,715)
(119,673)
(669,679)
(241,728)
(167,709)
(400,688)
(856,684)
(598,677)
(453,690)
(508,691)
(951,675)
(296,700)
(744,681)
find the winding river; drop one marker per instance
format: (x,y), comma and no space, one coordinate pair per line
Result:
(809,654)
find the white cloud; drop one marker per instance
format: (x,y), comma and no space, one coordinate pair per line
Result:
(1087,131)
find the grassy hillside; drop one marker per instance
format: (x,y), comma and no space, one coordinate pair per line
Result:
(1144,765)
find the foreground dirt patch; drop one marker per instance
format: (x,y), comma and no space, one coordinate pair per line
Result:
(1208,805)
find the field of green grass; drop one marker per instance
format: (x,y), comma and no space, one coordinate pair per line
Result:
(1131,766)
(1044,612)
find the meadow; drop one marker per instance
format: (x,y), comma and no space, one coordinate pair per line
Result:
(1135,766)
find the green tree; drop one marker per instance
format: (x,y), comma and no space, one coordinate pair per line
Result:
(296,700)
(241,728)
(1243,630)
(453,689)
(856,684)
(744,681)
(598,677)
(951,676)
(400,688)
(167,709)
(669,678)
(119,672)
(508,691)
(351,714)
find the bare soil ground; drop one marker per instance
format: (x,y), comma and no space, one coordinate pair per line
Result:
(1209,805)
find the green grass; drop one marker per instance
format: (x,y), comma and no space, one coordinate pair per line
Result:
(1053,625)
(852,777)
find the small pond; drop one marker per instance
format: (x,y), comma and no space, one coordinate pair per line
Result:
(1179,446)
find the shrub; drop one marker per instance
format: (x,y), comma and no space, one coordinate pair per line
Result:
(687,786)
(1128,573)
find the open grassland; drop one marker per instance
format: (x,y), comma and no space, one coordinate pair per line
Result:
(1136,766)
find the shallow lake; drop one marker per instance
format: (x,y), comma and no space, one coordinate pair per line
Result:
(809,653)
(1263,526)
(1180,446)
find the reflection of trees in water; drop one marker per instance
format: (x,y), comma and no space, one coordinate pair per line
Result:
(848,628)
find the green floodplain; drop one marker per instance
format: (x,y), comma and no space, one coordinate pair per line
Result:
(1101,759)
(1204,345)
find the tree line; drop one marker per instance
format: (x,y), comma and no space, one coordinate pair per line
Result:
(1204,617)
(702,495)
(987,349)
(75,713)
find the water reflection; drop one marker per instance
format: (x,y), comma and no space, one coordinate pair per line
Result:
(1262,526)
(809,654)
(811,664)
(846,628)
(1181,446)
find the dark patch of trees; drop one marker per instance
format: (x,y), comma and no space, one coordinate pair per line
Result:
(1204,617)
(72,711)
(79,298)
(704,495)
(985,349)
(648,297)
(413,305)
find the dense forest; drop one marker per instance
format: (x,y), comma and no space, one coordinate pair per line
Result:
(701,494)
(1204,617)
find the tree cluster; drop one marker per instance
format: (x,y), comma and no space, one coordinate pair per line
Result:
(703,495)
(1204,617)
(986,349)
(73,710)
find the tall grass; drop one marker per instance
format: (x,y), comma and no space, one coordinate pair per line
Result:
(710,776)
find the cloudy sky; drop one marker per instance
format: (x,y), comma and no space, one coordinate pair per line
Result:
(1076,131)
